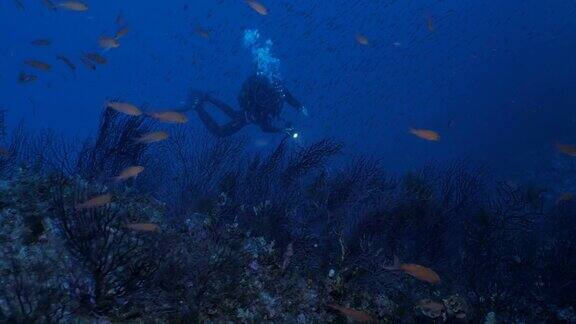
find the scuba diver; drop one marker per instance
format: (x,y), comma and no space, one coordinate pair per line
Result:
(260,101)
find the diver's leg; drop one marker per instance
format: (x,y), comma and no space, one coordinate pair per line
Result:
(238,120)
(222,106)
(220,131)
(232,127)
(197,99)
(208,121)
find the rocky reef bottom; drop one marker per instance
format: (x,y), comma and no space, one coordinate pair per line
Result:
(62,263)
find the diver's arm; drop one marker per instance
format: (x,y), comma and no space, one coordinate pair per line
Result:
(267,127)
(221,105)
(197,98)
(289,98)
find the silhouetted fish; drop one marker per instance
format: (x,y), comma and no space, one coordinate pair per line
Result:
(107,42)
(202,32)
(95,202)
(39,65)
(95,57)
(66,61)
(25,78)
(41,42)
(88,64)
(361,39)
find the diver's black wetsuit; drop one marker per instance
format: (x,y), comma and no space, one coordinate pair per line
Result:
(260,102)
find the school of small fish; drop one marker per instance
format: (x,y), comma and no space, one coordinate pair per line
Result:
(90,59)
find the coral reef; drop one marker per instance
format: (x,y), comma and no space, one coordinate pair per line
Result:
(284,237)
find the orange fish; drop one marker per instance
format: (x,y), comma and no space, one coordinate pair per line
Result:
(39,65)
(170,117)
(353,314)
(121,32)
(566,149)
(565,197)
(108,42)
(143,227)
(73,5)
(258,7)
(152,137)
(95,202)
(129,172)
(417,271)
(361,39)
(426,134)
(125,108)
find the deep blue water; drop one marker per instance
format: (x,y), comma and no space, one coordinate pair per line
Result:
(496,79)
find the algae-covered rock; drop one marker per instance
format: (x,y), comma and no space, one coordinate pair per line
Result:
(35,276)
